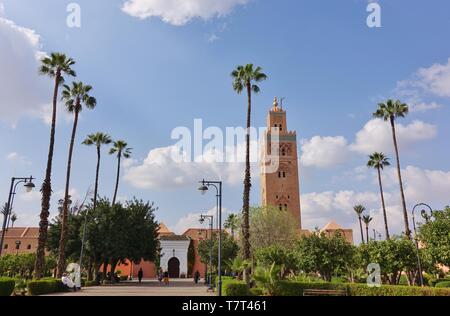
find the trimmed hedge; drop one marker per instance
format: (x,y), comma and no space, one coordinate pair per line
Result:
(7,286)
(434,282)
(395,290)
(445,284)
(45,286)
(289,288)
(90,283)
(235,288)
(286,288)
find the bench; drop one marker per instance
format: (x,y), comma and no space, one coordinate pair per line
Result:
(310,292)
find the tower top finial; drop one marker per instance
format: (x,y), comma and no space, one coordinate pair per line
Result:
(275,104)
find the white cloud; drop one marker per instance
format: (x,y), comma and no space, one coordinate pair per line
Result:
(376,135)
(429,186)
(191,220)
(180,12)
(160,171)
(324,152)
(424,84)
(16,158)
(213,38)
(423,106)
(435,79)
(23,92)
(421,185)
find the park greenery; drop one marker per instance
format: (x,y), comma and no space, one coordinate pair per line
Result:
(286,265)
(113,235)
(268,255)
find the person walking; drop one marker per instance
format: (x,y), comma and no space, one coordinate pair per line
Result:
(160,276)
(196,277)
(166,278)
(140,275)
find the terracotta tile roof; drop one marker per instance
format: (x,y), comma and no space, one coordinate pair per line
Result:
(22,232)
(174,238)
(163,230)
(332,226)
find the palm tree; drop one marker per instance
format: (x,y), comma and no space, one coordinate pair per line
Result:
(75,97)
(121,149)
(378,161)
(244,78)
(97,139)
(367,219)
(13,219)
(54,66)
(359,209)
(390,111)
(232,223)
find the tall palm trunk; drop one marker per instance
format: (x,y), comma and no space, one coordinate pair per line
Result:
(63,238)
(383,204)
(367,233)
(247,187)
(96,178)
(46,189)
(361,228)
(117,178)
(405,212)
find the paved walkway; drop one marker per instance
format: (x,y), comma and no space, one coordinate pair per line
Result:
(180,287)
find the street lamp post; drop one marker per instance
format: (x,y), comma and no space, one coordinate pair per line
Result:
(211,220)
(416,238)
(203,189)
(18,242)
(29,185)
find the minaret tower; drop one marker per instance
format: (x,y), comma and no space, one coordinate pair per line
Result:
(280,188)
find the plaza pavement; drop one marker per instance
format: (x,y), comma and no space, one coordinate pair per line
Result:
(179,287)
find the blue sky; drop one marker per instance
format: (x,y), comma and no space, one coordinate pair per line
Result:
(159,65)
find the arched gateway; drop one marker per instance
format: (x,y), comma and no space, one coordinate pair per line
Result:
(174,255)
(174,268)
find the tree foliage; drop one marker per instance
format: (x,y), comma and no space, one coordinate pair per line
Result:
(326,255)
(394,256)
(113,233)
(271,227)
(434,236)
(230,249)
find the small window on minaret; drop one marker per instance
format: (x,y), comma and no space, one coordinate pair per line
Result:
(284,174)
(279,174)
(281,127)
(280,207)
(283,152)
(285,206)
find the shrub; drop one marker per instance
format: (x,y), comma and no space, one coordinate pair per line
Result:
(21,287)
(285,288)
(235,288)
(45,286)
(393,290)
(90,283)
(6,286)
(445,284)
(339,280)
(434,282)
